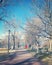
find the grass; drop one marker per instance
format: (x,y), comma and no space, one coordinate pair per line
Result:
(33,52)
(47,59)
(43,56)
(5,51)
(4,54)
(3,57)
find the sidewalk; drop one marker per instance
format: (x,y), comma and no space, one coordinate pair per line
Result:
(22,59)
(17,59)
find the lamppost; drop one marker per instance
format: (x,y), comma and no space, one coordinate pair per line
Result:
(14,40)
(8,41)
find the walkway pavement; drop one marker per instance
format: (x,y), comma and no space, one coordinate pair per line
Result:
(17,59)
(22,59)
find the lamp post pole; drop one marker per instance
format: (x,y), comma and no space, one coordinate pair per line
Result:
(14,40)
(8,40)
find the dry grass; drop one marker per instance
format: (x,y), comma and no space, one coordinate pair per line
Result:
(5,50)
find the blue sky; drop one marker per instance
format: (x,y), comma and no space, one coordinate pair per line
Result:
(19,10)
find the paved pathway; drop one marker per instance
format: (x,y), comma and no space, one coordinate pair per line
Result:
(22,58)
(31,61)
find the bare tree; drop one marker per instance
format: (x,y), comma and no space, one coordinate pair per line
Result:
(9,26)
(33,31)
(44,12)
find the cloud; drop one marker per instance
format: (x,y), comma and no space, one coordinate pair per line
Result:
(2,36)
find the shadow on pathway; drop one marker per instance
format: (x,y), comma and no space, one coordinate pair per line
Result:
(31,61)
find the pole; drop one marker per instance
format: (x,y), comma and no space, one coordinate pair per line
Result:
(14,40)
(8,40)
